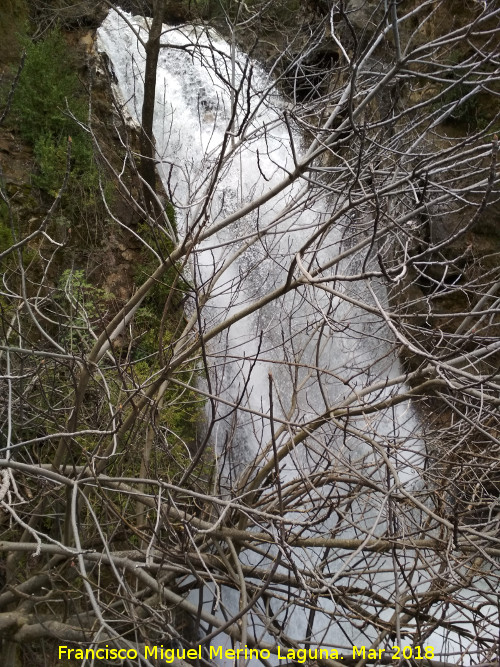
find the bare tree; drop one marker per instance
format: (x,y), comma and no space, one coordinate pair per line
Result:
(338,272)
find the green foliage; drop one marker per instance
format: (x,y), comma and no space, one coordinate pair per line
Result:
(48,84)
(476,111)
(77,288)
(48,93)
(172,218)
(51,159)
(467,112)
(182,407)
(6,239)
(177,420)
(156,298)
(84,304)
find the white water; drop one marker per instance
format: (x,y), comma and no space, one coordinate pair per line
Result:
(193,111)
(193,107)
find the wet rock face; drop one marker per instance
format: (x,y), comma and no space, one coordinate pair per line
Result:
(143,7)
(364,14)
(489,223)
(177,11)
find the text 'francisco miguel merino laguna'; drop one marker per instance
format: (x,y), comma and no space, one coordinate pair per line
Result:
(288,654)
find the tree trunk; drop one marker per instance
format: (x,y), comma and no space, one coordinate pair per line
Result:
(147,169)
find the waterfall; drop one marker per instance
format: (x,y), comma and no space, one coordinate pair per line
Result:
(310,339)
(193,108)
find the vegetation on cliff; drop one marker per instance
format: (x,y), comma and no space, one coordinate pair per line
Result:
(205,430)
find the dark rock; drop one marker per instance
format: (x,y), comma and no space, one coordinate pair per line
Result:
(69,14)
(365,14)
(177,11)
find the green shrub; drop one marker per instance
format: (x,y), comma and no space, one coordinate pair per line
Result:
(47,85)
(48,92)
(51,160)
(84,305)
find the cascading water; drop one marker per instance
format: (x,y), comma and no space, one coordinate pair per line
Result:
(303,336)
(193,107)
